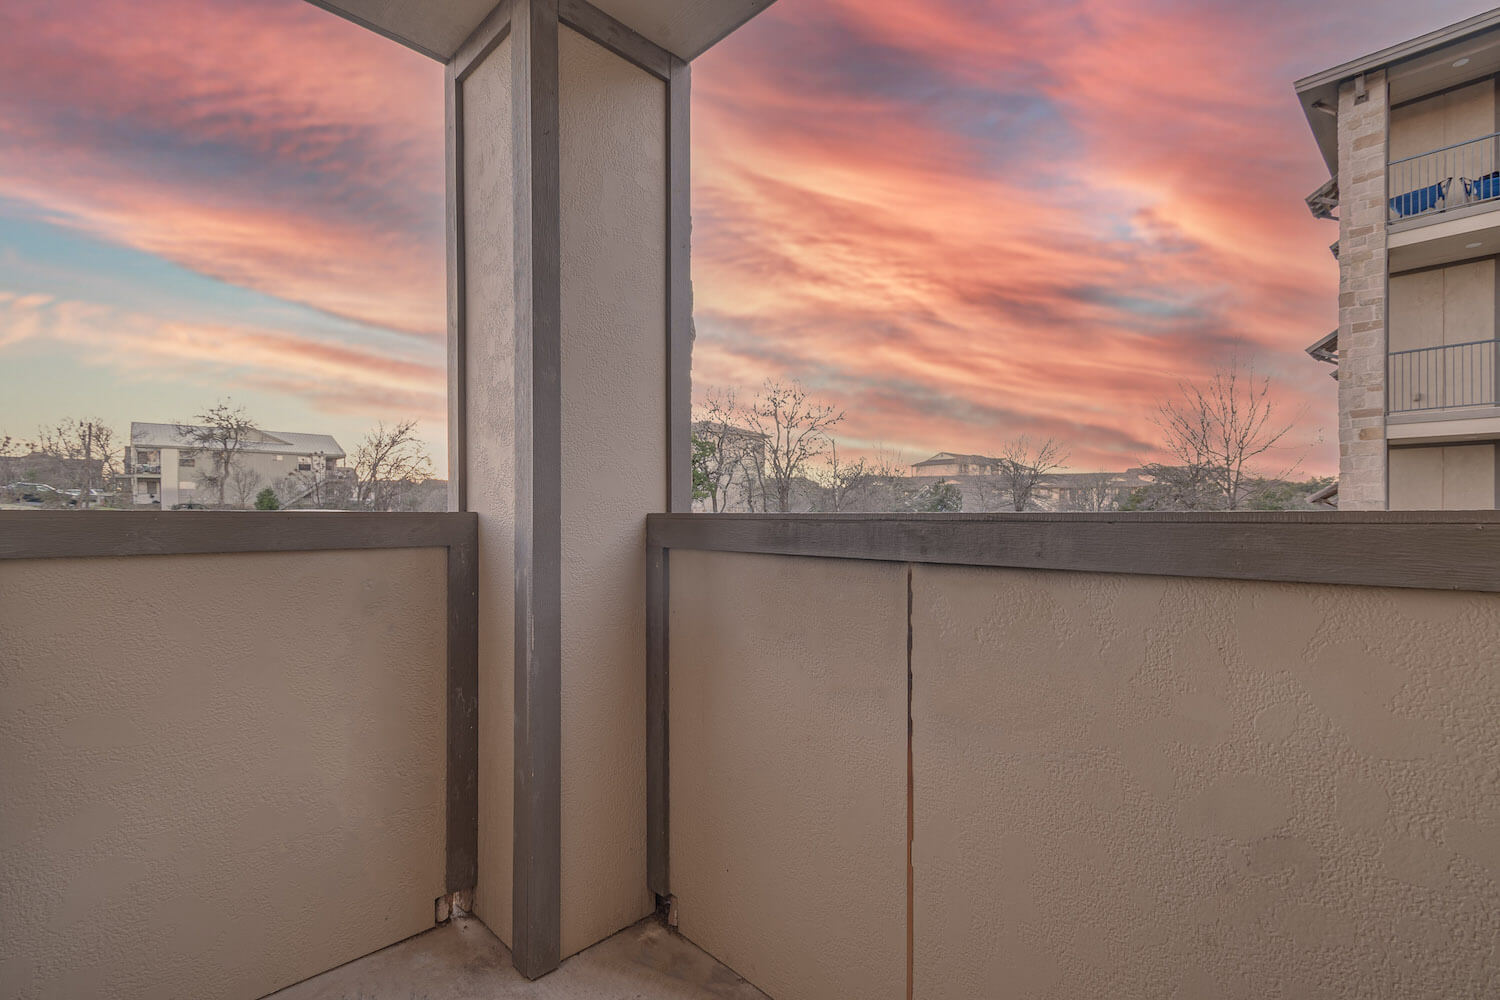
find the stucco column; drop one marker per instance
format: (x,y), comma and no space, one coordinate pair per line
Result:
(1362,293)
(568,376)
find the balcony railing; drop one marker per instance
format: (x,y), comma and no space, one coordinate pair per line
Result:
(1466,173)
(146,469)
(1437,378)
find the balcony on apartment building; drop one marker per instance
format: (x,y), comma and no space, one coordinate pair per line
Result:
(1447,377)
(1443,176)
(1443,365)
(1443,187)
(1446,181)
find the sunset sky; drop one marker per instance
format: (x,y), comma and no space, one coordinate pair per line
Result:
(960,221)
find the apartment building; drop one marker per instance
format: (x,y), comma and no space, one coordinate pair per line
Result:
(951,465)
(1411,136)
(979,479)
(166,467)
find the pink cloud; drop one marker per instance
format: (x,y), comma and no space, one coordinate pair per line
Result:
(968,222)
(270,145)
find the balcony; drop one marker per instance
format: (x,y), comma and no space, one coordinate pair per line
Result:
(1445,180)
(1444,378)
(1039,750)
(145,469)
(842,755)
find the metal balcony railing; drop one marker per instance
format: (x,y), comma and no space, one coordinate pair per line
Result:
(1466,173)
(146,469)
(1437,378)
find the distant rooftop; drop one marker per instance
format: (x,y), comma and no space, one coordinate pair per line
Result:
(949,457)
(144,435)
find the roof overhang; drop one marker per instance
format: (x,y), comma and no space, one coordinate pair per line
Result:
(436,28)
(1325,348)
(1328,495)
(1423,68)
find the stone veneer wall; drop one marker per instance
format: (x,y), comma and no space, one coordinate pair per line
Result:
(1362,295)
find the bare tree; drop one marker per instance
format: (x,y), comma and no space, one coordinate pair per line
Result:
(1094,492)
(941,497)
(244,483)
(1220,427)
(795,428)
(388,464)
(750,480)
(844,483)
(724,450)
(320,483)
(1023,467)
(1173,487)
(85,450)
(222,431)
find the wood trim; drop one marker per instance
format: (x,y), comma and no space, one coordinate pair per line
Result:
(458,375)
(679,290)
(489,33)
(462,771)
(679,485)
(658,783)
(537,859)
(599,27)
(56,534)
(1422,549)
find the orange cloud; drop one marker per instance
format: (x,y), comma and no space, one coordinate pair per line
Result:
(266,144)
(334,378)
(966,222)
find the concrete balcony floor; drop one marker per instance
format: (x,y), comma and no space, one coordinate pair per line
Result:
(462,960)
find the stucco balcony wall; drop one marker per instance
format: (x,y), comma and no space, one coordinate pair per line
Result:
(1118,785)
(221,774)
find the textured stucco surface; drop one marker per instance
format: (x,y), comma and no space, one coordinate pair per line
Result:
(1144,787)
(218,774)
(613,191)
(490,311)
(788,770)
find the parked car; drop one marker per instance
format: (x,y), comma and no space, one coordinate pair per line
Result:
(37,493)
(190,506)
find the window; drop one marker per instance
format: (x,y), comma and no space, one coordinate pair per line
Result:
(187,463)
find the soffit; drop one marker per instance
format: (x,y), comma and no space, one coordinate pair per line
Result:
(436,28)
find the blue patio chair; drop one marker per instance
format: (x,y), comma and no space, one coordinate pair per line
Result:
(1422,199)
(1482,188)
